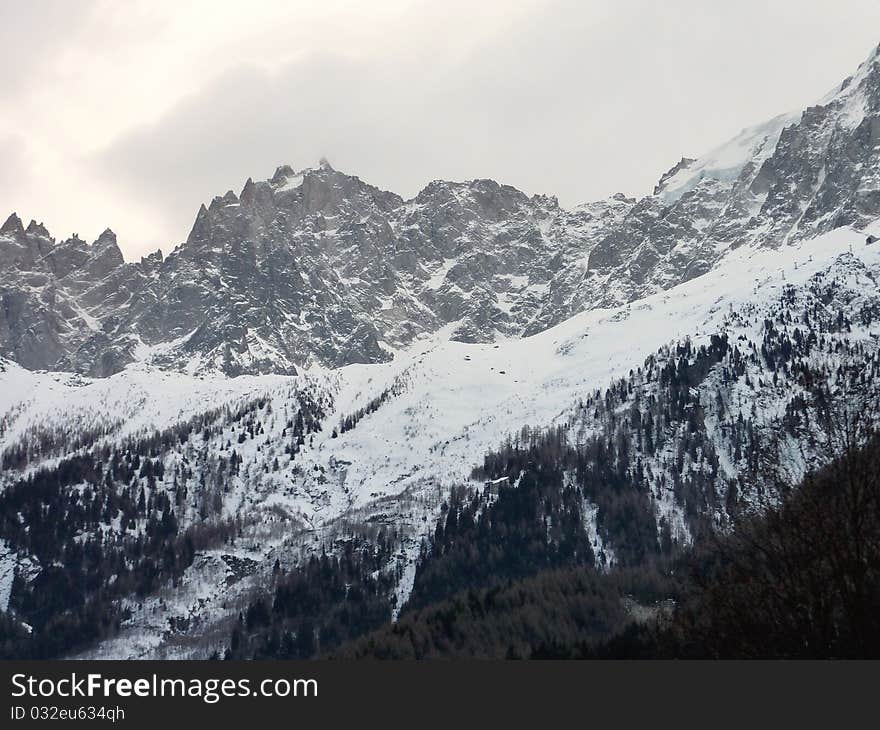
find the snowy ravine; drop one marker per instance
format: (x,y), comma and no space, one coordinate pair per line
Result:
(436,409)
(7,573)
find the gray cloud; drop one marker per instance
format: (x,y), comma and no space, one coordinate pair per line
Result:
(13,161)
(32,32)
(575,99)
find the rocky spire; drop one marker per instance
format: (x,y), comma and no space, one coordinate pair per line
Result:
(281,174)
(248,191)
(202,225)
(230,198)
(107,249)
(13,225)
(107,238)
(37,229)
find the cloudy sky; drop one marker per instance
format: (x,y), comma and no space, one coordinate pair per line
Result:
(130,114)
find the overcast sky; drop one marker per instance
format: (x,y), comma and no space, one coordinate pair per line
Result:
(130,114)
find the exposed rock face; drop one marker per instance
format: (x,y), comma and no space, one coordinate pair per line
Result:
(59,300)
(318,267)
(314,267)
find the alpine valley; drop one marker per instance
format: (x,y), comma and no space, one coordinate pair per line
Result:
(332,413)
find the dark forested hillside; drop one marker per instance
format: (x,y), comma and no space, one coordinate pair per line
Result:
(799,581)
(319,605)
(109,526)
(96,536)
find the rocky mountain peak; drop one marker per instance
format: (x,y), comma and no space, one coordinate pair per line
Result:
(281,174)
(151,263)
(248,192)
(37,229)
(153,258)
(13,225)
(105,254)
(682,164)
(221,201)
(106,238)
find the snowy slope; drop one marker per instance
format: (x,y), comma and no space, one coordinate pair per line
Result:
(753,145)
(438,407)
(726,162)
(454,400)
(462,399)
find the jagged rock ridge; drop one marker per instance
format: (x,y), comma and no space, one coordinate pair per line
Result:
(309,267)
(317,267)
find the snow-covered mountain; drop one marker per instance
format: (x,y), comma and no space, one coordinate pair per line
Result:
(309,267)
(793,177)
(387,440)
(317,266)
(705,335)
